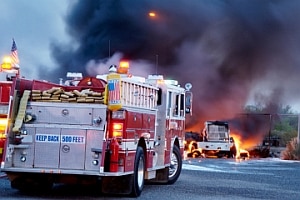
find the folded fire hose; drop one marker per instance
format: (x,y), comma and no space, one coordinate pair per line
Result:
(21,111)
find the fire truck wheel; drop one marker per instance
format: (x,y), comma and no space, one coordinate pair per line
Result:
(139,173)
(175,167)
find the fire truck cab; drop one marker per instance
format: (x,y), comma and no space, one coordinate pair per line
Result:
(121,131)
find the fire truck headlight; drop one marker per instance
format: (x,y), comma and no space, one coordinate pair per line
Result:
(23,158)
(95,162)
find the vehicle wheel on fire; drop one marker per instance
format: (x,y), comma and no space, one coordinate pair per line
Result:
(176,165)
(139,173)
(195,152)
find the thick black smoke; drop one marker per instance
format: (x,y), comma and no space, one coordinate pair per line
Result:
(228,50)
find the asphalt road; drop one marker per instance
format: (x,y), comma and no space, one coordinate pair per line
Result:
(203,178)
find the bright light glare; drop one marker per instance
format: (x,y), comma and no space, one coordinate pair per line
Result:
(124,64)
(3,124)
(7,59)
(3,121)
(117,126)
(152,14)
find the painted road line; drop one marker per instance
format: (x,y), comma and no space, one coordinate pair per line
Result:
(2,175)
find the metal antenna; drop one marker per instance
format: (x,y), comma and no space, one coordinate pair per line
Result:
(156,64)
(109,48)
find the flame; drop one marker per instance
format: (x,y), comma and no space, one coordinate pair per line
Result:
(191,150)
(242,144)
(241,152)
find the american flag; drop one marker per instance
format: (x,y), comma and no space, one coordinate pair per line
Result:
(114,91)
(14,55)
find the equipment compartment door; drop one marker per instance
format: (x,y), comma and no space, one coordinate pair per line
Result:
(72,149)
(60,113)
(94,149)
(47,144)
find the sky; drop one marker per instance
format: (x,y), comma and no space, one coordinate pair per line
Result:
(33,25)
(233,52)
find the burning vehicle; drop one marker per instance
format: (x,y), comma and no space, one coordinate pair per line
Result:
(214,140)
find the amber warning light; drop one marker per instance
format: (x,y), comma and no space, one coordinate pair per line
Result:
(117,130)
(3,124)
(6,63)
(123,67)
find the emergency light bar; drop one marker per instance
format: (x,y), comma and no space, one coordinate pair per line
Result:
(123,67)
(74,75)
(155,77)
(160,79)
(6,64)
(171,82)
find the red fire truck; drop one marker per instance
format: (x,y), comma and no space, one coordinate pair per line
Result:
(120,130)
(5,87)
(6,73)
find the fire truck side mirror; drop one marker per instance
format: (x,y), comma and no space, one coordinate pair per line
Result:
(188,102)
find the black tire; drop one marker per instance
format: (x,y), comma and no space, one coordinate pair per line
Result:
(196,154)
(139,173)
(220,155)
(232,152)
(176,165)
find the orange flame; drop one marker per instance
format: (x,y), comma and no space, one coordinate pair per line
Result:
(240,151)
(192,150)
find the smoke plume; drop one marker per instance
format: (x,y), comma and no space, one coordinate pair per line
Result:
(228,50)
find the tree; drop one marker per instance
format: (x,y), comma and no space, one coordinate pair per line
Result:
(284,121)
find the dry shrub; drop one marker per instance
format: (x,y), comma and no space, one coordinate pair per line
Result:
(292,151)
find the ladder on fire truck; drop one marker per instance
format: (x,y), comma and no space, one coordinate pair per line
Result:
(138,94)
